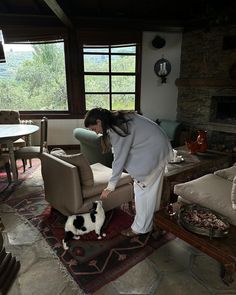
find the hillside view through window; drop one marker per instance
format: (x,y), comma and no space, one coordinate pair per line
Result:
(33,77)
(110,77)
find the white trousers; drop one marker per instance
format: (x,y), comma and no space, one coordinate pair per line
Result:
(147,200)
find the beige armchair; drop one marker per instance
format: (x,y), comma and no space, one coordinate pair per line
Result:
(71,184)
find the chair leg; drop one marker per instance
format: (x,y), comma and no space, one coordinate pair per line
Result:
(30,161)
(8,171)
(24,162)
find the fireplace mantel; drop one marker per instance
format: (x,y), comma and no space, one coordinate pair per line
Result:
(205,82)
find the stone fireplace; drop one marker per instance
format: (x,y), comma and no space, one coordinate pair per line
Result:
(206,88)
(223,109)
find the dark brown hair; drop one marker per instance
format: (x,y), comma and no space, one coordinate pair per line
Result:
(117,121)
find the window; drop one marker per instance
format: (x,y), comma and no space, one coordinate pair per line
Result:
(33,77)
(110,76)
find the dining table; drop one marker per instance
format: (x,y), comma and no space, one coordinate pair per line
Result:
(11,132)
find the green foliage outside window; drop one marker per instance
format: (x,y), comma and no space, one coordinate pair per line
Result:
(34,80)
(113,74)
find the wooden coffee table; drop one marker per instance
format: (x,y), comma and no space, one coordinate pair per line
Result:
(192,167)
(221,249)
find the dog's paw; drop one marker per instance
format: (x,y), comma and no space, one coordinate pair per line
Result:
(64,245)
(99,237)
(104,235)
(76,237)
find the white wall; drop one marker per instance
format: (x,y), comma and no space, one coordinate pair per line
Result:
(157,100)
(160,100)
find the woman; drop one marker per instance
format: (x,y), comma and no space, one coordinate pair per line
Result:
(142,149)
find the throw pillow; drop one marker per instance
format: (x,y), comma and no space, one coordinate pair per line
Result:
(227,173)
(233,194)
(85,171)
(57,152)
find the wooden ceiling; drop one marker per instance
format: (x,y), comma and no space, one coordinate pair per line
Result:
(147,14)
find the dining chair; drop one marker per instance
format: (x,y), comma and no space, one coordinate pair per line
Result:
(4,162)
(31,152)
(13,117)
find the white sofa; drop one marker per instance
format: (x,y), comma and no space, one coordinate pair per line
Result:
(216,191)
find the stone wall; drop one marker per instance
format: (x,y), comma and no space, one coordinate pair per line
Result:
(205,72)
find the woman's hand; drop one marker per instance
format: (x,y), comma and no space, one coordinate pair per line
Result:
(105,193)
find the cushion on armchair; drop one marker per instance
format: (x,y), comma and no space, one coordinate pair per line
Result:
(102,174)
(90,147)
(210,191)
(227,173)
(78,160)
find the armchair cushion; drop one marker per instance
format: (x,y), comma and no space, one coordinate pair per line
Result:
(227,173)
(78,160)
(101,175)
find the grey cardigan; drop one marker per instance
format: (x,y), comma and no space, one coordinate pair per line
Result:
(139,153)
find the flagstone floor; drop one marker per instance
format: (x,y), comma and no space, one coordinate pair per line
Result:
(175,269)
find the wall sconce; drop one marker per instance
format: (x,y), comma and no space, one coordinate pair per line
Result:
(162,69)
(2,54)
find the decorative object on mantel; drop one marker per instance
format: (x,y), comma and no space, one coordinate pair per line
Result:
(158,42)
(199,145)
(162,69)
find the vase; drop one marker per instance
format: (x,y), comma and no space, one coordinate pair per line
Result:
(202,141)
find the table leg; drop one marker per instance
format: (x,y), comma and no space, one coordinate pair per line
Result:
(227,271)
(12,161)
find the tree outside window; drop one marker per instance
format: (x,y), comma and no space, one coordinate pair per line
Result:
(110,76)
(33,77)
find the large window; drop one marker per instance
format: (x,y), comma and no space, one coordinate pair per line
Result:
(33,77)
(110,76)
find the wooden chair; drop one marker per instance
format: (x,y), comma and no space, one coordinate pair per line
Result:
(13,117)
(31,152)
(4,162)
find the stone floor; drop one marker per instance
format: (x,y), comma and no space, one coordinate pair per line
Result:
(175,269)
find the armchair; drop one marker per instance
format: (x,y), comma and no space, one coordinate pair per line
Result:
(172,129)
(71,184)
(90,146)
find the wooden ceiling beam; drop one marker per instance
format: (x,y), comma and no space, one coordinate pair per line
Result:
(56,8)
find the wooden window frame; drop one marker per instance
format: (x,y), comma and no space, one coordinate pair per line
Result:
(110,74)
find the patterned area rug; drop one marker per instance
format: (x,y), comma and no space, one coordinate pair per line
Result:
(7,189)
(92,263)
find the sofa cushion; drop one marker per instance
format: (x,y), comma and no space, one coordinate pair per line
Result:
(227,173)
(233,194)
(78,160)
(211,191)
(102,175)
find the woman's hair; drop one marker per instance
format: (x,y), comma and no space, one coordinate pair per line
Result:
(117,121)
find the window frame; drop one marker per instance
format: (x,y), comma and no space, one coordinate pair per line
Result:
(111,73)
(73,54)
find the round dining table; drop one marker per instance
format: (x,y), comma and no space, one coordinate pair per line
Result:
(11,132)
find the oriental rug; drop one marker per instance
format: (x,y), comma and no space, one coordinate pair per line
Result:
(6,189)
(92,263)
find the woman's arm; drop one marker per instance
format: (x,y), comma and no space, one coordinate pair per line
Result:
(121,146)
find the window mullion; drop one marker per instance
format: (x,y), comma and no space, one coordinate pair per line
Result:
(110,85)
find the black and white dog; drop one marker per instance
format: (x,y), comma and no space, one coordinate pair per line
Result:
(77,225)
